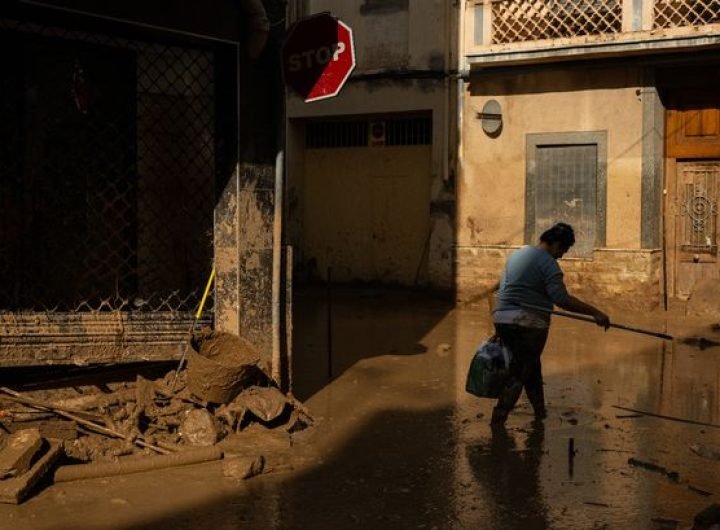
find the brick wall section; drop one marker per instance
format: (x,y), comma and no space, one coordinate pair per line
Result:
(620,278)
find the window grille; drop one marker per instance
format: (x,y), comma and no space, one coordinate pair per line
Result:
(566,191)
(413,131)
(519,20)
(107,171)
(336,134)
(355,133)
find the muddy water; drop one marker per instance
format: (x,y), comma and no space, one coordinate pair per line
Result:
(400,444)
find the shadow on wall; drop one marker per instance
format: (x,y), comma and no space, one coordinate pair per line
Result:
(362,323)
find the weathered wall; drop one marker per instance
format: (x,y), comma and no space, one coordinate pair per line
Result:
(491,191)
(393,34)
(246,142)
(372,222)
(623,278)
(407,49)
(245,210)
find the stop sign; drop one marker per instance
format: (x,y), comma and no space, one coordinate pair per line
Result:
(318,57)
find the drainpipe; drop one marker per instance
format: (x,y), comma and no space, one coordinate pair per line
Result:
(277,261)
(460,102)
(277,248)
(258,26)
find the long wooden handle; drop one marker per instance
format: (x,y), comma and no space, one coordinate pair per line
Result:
(586,318)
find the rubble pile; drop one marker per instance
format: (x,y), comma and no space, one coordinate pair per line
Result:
(224,399)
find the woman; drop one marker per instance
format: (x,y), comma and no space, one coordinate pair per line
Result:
(531,284)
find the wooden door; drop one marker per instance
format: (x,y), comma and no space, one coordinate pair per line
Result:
(695,230)
(693,178)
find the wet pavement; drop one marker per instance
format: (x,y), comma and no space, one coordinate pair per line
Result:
(400,444)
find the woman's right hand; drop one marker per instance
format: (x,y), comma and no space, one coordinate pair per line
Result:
(601,319)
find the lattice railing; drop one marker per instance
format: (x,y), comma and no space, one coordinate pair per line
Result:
(519,20)
(679,13)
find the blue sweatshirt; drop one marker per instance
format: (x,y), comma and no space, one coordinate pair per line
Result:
(533,277)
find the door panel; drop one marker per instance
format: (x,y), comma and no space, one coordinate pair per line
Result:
(366,212)
(696,244)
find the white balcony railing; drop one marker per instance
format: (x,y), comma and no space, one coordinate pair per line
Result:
(506,22)
(680,13)
(520,20)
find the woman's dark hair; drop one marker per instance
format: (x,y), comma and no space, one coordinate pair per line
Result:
(560,232)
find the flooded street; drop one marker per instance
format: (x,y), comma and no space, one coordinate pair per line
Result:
(399,444)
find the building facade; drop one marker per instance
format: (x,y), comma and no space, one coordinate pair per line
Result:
(371,172)
(603,114)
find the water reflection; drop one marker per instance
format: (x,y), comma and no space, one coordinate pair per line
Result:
(509,476)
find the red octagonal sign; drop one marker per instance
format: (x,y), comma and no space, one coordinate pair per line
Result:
(318,57)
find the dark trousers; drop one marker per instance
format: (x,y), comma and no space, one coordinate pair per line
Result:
(526,345)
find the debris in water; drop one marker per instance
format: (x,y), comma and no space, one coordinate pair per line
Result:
(18,452)
(706,451)
(243,467)
(672,475)
(15,490)
(199,428)
(699,342)
(660,523)
(699,491)
(118,427)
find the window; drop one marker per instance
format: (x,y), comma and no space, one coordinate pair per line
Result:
(566,183)
(364,132)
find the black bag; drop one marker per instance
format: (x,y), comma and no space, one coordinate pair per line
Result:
(489,369)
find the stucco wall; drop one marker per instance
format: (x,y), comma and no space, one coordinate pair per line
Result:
(406,47)
(393,34)
(491,190)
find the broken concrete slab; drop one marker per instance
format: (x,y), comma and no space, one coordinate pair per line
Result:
(266,403)
(255,439)
(18,453)
(243,467)
(54,428)
(199,428)
(16,490)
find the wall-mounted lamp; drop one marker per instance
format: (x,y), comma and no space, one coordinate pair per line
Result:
(491,118)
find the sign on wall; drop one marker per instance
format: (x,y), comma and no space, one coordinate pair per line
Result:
(318,57)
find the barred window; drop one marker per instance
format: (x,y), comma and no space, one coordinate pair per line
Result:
(566,183)
(375,132)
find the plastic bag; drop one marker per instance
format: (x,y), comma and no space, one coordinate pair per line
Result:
(489,369)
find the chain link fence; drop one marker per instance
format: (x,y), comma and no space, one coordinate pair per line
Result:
(108,157)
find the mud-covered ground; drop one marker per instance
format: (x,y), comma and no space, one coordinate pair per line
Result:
(399,444)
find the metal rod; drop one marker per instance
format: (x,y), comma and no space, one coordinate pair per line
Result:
(289,317)
(277,266)
(585,318)
(329,325)
(671,418)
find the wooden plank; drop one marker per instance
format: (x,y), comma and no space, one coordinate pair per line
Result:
(693,133)
(19,451)
(16,490)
